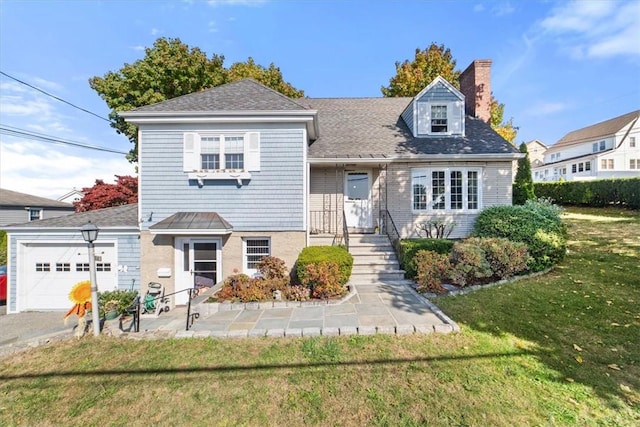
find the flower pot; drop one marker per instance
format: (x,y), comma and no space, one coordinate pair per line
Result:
(111,314)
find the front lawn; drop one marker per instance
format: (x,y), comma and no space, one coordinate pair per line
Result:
(558,349)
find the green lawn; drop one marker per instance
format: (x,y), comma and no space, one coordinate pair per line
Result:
(557,349)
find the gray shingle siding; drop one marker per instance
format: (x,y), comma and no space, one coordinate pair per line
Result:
(272,199)
(439,93)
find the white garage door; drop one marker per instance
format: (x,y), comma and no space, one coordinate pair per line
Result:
(49,271)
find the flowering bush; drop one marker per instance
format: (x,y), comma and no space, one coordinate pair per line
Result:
(432,268)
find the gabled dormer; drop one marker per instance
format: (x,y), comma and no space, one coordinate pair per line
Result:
(437,111)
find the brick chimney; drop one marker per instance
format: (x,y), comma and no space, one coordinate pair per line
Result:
(475,85)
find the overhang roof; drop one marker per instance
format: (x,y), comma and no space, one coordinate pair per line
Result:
(121,217)
(192,223)
(372,128)
(599,130)
(14,198)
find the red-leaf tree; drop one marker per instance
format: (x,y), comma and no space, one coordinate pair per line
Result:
(103,195)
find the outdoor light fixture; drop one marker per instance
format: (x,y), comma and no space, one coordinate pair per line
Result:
(90,234)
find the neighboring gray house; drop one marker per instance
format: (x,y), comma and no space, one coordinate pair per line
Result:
(609,149)
(20,207)
(239,171)
(536,150)
(47,257)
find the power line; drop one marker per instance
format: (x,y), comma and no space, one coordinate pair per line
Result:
(54,97)
(22,133)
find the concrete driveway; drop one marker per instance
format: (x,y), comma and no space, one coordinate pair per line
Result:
(25,327)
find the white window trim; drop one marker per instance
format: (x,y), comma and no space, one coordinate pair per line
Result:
(39,211)
(245,262)
(465,187)
(192,153)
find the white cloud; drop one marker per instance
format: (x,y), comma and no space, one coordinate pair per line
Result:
(503,8)
(478,7)
(155,31)
(51,171)
(46,84)
(212,27)
(138,48)
(595,29)
(545,108)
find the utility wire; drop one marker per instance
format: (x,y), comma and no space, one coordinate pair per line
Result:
(54,97)
(22,133)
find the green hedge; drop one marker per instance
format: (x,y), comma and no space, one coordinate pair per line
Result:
(317,254)
(537,224)
(410,248)
(625,192)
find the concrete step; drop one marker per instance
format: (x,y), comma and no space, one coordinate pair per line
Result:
(361,269)
(374,257)
(367,261)
(377,275)
(365,249)
(368,238)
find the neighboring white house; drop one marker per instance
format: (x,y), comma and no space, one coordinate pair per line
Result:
(610,149)
(536,150)
(72,196)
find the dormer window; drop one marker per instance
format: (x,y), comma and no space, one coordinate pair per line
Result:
(438,118)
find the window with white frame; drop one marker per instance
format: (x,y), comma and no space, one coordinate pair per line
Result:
(580,167)
(215,152)
(574,168)
(632,163)
(446,189)
(632,141)
(43,266)
(587,165)
(439,119)
(35,214)
(255,248)
(63,266)
(82,266)
(602,145)
(606,164)
(594,147)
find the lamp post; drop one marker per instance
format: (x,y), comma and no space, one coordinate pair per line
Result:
(90,234)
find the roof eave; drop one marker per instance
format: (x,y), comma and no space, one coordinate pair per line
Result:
(182,231)
(417,158)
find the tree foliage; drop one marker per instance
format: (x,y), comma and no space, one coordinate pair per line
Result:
(523,185)
(103,195)
(169,69)
(412,77)
(437,60)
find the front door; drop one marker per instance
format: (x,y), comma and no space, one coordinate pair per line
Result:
(197,265)
(357,200)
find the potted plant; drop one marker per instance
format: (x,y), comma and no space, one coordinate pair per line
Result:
(114,303)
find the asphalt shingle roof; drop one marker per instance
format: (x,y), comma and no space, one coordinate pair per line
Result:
(599,130)
(372,128)
(243,95)
(13,198)
(125,216)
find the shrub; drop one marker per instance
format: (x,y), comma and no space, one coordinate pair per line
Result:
(410,247)
(469,265)
(432,268)
(117,299)
(597,193)
(240,287)
(523,188)
(537,224)
(505,258)
(323,280)
(271,267)
(317,254)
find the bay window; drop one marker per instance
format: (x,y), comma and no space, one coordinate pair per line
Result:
(445,189)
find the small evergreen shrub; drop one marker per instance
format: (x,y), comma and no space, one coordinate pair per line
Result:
(317,254)
(432,268)
(410,247)
(323,280)
(598,193)
(505,258)
(469,265)
(536,224)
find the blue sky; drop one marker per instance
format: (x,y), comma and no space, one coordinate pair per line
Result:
(557,66)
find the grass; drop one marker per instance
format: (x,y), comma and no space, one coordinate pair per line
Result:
(558,349)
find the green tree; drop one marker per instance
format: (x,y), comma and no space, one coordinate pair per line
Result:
(270,77)
(412,77)
(3,247)
(437,60)
(169,69)
(523,185)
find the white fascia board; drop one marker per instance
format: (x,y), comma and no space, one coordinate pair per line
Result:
(193,232)
(310,117)
(68,230)
(434,157)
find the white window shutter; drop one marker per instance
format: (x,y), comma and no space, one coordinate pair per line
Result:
(191,152)
(252,152)
(423,118)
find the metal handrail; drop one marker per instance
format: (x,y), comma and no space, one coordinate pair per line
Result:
(135,307)
(345,230)
(393,234)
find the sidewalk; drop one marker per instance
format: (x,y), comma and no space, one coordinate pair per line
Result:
(389,307)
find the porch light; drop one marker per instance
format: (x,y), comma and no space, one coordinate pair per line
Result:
(90,234)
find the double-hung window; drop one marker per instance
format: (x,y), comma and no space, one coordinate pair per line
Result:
(234,152)
(222,152)
(439,119)
(35,214)
(254,250)
(446,189)
(210,152)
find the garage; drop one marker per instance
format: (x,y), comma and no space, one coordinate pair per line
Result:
(51,269)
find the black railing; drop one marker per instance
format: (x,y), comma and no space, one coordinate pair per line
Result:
(390,229)
(345,230)
(321,222)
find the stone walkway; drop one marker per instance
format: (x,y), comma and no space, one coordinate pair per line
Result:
(382,307)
